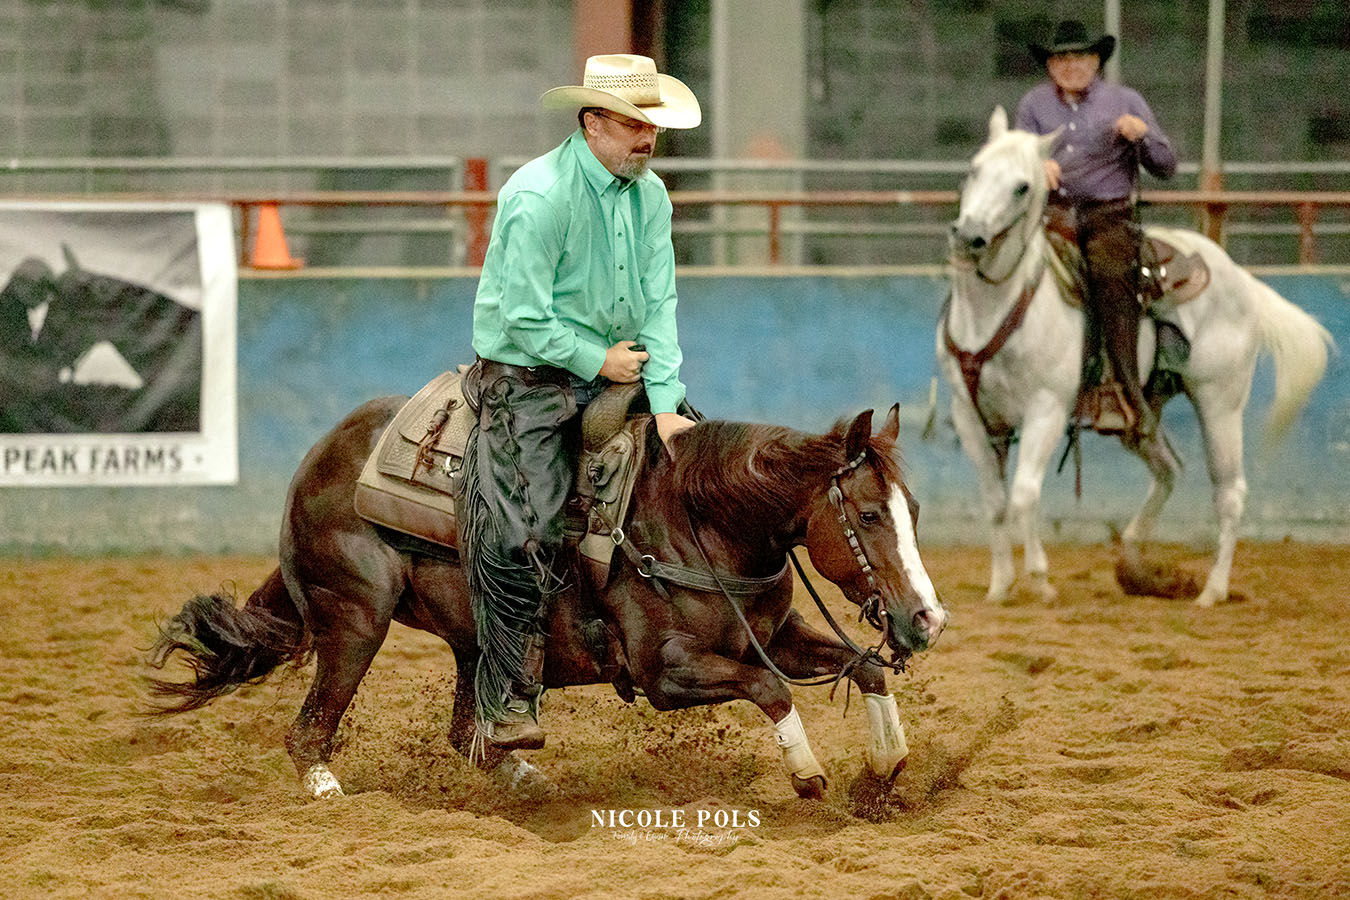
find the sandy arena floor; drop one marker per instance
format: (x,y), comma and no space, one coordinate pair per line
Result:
(1098,746)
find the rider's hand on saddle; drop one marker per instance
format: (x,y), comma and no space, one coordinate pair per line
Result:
(1052,173)
(623,362)
(670,424)
(1131,128)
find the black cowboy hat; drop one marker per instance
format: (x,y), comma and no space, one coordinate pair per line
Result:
(1071,36)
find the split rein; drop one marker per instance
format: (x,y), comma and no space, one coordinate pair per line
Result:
(709,580)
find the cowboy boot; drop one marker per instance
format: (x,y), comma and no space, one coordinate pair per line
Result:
(518,728)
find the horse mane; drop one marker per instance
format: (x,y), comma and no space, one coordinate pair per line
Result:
(737,472)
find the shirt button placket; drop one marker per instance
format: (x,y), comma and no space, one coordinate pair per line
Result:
(619,250)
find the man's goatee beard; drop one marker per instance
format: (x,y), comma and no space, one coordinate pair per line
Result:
(632,168)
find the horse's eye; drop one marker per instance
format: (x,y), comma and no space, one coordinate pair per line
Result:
(869,517)
(1021,189)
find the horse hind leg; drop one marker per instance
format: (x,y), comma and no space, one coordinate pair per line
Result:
(344,651)
(1163,473)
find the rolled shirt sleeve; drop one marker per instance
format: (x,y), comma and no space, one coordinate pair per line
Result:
(1156,154)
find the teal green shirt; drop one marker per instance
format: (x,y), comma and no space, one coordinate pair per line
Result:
(578,261)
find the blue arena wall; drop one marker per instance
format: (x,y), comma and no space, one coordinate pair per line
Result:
(798,349)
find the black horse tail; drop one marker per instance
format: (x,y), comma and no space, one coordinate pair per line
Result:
(226,646)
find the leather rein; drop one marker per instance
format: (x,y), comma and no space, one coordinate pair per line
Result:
(972,362)
(709,580)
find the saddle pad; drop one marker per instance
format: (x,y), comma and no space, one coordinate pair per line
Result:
(396,492)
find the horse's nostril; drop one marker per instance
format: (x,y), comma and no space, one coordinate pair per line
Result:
(927,622)
(977,243)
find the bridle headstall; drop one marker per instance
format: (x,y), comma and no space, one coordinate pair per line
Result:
(709,580)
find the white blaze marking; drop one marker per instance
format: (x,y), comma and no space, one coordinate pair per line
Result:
(909,551)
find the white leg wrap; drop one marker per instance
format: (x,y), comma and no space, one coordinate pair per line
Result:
(797,755)
(886,746)
(321,783)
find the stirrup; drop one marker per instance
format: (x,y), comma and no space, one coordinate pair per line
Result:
(1104,409)
(518,729)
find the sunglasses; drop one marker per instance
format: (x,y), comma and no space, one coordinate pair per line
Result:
(635,127)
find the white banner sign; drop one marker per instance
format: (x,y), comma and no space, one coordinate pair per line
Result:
(117,344)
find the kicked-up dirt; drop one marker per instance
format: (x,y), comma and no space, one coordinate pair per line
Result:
(1096,745)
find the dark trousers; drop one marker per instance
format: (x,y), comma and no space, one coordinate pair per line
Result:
(523,462)
(528,437)
(1109,237)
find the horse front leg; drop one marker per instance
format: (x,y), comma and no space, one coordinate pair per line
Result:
(693,676)
(1223,450)
(1042,428)
(800,651)
(989,469)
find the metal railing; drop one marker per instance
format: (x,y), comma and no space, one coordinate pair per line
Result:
(461,217)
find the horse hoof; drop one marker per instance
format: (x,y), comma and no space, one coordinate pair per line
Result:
(521,775)
(867,794)
(812,788)
(997,598)
(1208,598)
(1040,586)
(321,783)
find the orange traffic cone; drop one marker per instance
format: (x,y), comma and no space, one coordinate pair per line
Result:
(269,247)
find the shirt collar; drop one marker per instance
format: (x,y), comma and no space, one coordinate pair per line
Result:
(1084,97)
(594,171)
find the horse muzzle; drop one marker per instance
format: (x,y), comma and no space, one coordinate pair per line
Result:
(914,633)
(968,240)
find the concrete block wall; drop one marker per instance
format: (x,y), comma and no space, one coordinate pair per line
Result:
(883,79)
(462,77)
(278,77)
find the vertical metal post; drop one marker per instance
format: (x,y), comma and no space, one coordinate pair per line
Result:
(245,231)
(719,51)
(476,214)
(1307,239)
(775,234)
(1111,20)
(1211,167)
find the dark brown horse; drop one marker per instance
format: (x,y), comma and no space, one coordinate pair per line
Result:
(727,504)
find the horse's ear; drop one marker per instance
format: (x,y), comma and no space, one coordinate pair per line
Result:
(998,123)
(890,429)
(1045,144)
(859,433)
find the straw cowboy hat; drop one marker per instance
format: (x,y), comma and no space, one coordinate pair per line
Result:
(1071,36)
(629,84)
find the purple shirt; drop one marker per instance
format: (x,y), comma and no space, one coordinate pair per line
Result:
(1095,158)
